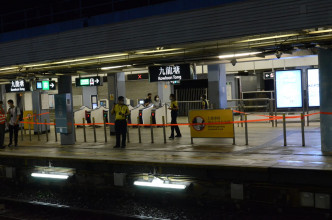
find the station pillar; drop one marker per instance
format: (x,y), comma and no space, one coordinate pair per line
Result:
(217,86)
(325,84)
(65,86)
(164,90)
(116,87)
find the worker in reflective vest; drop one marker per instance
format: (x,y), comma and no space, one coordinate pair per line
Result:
(2,125)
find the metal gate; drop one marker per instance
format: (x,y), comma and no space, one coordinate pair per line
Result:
(189,98)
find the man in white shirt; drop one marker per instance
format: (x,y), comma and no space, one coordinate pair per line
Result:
(13,116)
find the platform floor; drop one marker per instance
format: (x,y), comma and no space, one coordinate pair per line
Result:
(265,148)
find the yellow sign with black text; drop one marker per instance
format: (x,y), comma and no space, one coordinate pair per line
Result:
(28,117)
(219,123)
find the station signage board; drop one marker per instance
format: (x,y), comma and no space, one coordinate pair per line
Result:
(267,76)
(289,88)
(45,85)
(313,87)
(138,76)
(17,86)
(88,81)
(169,73)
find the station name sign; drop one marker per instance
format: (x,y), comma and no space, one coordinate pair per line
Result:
(17,86)
(45,85)
(169,73)
(88,81)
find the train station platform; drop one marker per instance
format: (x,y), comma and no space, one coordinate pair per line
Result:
(262,174)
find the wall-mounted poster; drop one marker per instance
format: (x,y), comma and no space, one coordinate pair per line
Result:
(313,87)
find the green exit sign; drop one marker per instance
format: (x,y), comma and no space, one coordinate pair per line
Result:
(45,85)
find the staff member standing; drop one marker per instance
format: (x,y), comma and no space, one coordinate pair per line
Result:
(121,112)
(205,103)
(2,125)
(174,114)
(13,115)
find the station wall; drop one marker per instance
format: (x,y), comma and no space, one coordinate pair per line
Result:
(139,89)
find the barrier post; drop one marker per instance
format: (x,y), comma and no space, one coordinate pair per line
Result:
(37,129)
(46,130)
(302,129)
(105,129)
(152,138)
(84,133)
(242,110)
(246,128)
(30,131)
(284,128)
(128,138)
(94,129)
(164,129)
(276,121)
(74,130)
(139,131)
(308,118)
(56,136)
(271,111)
(21,132)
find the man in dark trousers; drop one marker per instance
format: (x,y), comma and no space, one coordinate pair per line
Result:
(2,125)
(13,116)
(121,112)
(174,114)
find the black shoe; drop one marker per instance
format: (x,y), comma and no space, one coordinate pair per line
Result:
(10,145)
(178,136)
(123,146)
(171,137)
(15,145)
(2,147)
(116,146)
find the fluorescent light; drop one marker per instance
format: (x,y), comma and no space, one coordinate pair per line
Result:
(267,38)
(320,31)
(157,51)
(7,68)
(50,176)
(158,183)
(238,55)
(113,67)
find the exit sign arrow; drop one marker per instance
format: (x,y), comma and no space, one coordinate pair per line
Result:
(52,85)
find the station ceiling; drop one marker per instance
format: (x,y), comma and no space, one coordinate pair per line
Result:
(247,48)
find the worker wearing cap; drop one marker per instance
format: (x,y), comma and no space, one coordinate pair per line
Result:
(121,112)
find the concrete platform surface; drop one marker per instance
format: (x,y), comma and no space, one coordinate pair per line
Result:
(265,149)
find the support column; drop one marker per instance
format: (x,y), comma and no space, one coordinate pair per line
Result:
(116,87)
(37,109)
(325,84)
(87,92)
(217,85)
(164,90)
(65,86)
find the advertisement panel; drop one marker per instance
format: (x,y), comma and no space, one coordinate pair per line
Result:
(313,87)
(169,73)
(211,130)
(289,88)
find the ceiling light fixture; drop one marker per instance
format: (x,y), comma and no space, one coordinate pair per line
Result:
(238,55)
(113,67)
(267,38)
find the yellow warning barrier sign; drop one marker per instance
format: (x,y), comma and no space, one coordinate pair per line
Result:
(28,117)
(214,127)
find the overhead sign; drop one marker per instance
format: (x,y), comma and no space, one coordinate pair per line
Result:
(46,85)
(313,87)
(289,88)
(213,130)
(268,76)
(169,73)
(88,81)
(17,86)
(137,76)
